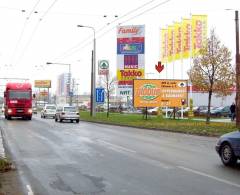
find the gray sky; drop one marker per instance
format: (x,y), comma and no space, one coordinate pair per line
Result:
(28,40)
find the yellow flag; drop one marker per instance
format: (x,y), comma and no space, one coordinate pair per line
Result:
(199,33)
(171,56)
(177,40)
(164,45)
(186,37)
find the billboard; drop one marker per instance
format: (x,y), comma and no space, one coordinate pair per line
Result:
(159,93)
(130,57)
(42,83)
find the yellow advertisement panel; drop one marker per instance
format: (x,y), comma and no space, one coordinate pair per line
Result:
(170,44)
(186,37)
(42,83)
(130,74)
(178,40)
(159,93)
(199,32)
(164,45)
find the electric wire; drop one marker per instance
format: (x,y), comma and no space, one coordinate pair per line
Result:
(109,30)
(35,30)
(70,50)
(23,30)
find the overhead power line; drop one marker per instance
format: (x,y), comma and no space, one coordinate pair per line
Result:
(127,20)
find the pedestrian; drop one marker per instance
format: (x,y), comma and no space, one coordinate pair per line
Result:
(233,111)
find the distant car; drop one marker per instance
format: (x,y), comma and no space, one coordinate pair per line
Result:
(200,110)
(2,109)
(228,148)
(154,111)
(70,113)
(221,111)
(49,110)
(34,110)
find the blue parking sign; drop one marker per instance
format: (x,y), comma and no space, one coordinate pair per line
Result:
(100,95)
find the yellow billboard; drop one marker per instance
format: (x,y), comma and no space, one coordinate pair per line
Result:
(178,40)
(199,33)
(159,93)
(170,44)
(164,45)
(186,37)
(42,83)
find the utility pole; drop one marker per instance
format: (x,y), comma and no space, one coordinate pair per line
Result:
(237,72)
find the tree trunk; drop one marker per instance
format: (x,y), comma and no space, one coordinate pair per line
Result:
(209,105)
(107,104)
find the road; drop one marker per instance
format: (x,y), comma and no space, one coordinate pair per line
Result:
(94,159)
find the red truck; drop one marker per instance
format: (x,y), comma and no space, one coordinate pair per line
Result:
(18,100)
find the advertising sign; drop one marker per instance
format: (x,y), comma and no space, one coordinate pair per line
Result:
(130,57)
(42,83)
(43,93)
(186,33)
(103,67)
(159,93)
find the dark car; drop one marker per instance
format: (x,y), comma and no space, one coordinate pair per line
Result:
(221,111)
(228,148)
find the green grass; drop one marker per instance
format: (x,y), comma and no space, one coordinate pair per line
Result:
(153,122)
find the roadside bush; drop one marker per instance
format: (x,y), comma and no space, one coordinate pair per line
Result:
(5,165)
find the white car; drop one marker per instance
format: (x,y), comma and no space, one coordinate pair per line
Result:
(49,110)
(70,113)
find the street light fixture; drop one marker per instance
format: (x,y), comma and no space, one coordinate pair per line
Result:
(93,74)
(69,78)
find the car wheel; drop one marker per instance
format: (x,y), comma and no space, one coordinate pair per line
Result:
(77,121)
(71,121)
(227,156)
(56,119)
(60,120)
(44,116)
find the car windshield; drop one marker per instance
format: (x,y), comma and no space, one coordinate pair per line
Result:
(70,109)
(51,107)
(19,95)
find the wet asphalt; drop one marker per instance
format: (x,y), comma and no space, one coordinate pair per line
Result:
(93,159)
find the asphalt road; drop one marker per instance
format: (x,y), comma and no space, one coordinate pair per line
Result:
(93,159)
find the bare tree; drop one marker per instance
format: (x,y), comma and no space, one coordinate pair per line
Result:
(212,70)
(109,85)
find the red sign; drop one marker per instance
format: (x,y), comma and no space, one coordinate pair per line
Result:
(159,67)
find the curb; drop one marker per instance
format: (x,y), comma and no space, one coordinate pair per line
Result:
(2,150)
(152,129)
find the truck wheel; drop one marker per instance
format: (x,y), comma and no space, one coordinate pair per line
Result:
(9,118)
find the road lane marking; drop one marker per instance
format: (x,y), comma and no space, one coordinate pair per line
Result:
(30,192)
(117,147)
(209,176)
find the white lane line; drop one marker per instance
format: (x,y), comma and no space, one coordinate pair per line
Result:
(117,147)
(30,192)
(209,176)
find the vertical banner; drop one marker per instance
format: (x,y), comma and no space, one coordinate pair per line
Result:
(164,45)
(178,40)
(186,37)
(130,56)
(170,44)
(199,32)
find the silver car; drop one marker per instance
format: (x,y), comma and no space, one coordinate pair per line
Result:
(70,113)
(49,110)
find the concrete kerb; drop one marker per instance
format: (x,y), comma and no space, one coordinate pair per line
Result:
(152,129)
(2,150)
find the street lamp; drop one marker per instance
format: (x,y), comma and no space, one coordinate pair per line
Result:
(69,78)
(93,74)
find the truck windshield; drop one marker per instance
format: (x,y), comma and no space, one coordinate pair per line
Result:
(19,95)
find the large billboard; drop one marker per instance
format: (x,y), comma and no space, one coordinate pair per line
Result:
(130,57)
(159,93)
(42,83)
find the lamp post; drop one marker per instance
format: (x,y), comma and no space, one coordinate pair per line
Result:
(69,78)
(93,70)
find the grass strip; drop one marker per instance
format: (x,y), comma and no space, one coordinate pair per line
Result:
(158,123)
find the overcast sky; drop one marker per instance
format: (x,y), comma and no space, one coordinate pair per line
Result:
(46,31)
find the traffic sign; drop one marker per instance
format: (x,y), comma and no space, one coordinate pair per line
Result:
(100,95)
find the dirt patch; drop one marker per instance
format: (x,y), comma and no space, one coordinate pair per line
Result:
(10,183)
